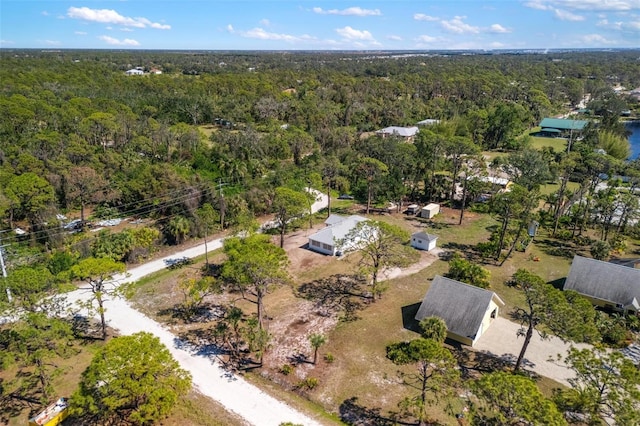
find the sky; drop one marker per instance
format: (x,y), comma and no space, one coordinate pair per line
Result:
(320,24)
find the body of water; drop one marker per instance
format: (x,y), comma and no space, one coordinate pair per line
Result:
(634,138)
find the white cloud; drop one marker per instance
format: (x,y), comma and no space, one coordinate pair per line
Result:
(456,25)
(116,42)
(353,34)
(423,17)
(81,33)
(44,13)
(261,34)
(52,42)
(6,42)
(126,29)
(350,11)
(564,15)
(426,39)
(498,29)
(596,39)
(586,5)
(394,37)
(110,16)
(265,22)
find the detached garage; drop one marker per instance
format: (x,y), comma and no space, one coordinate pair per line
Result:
(423,241)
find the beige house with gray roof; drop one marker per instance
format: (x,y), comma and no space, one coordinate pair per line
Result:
(468,311)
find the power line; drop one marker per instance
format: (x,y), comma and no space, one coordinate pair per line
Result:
(144,210)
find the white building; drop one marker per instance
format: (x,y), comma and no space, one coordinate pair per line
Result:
(423,241)
(325,241)
(430,210)
(407,133)
(134,71)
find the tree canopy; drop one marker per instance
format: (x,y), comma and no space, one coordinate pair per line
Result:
(131,379)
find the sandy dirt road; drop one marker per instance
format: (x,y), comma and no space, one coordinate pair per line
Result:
(233,392)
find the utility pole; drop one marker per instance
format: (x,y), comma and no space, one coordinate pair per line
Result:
(223,206)
(4,274)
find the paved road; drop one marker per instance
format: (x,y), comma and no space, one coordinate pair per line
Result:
(234,393)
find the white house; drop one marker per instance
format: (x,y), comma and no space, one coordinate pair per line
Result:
(325,241)
(407,133)
(423,241)
(134,71)
(428,122)
(430,210)
(468,311)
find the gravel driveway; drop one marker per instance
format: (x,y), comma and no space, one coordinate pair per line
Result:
(501,340)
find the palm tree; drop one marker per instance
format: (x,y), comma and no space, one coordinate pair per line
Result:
(316,341)
(178,228)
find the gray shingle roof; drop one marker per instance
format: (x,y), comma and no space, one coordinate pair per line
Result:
(604,281)
(424,236)
(333,219)
(337,231)
(461,306)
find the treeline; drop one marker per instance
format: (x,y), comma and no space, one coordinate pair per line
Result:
(77,132)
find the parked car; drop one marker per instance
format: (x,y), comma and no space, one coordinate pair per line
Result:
(345,197)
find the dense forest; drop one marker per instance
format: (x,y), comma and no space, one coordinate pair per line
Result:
(76,131)
(206,141)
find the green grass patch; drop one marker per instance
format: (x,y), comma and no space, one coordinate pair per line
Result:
(557,144)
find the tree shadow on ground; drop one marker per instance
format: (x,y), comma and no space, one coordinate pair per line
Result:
(354,414)
(298,359)
(556,248)
(472,363)
(337,293)
(203,313)
(409,322)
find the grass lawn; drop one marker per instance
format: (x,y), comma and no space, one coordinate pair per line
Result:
(558,144)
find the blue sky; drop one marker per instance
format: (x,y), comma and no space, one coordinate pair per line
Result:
(320,24)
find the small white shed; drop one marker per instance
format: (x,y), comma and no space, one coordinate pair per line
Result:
(430,210)
(423,241)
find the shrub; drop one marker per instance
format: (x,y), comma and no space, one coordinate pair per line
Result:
(286,369)
(309,383)
(329,358)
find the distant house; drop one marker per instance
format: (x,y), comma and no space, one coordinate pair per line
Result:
(430,210)
(408,133)
(605,284)
(428,122)
(466,310)
(134,71)
(423,241)
(561,126)
(325,241)
(497,181)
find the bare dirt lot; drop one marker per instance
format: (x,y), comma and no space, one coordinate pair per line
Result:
(297,319)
